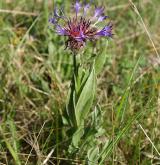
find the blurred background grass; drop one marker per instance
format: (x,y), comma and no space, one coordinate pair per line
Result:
(35,73)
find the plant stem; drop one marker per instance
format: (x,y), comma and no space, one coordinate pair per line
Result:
(71,104)
(75,69)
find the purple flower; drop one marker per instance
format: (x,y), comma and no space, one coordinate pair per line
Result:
(77,6)
(61,31)
(79,29)
(56,12)
(52,20)
(86,7)
(102,18)
(98,11)
(106,31)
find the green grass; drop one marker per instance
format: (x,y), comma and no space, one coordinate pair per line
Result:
(35,74)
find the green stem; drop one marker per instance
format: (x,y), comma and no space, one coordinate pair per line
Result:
(75,69)
(71,108)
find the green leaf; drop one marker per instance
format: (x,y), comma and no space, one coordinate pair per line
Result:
(14,135)
(85,100)
(70,108)
(80,80)
(99,62)
(77,136)
(11,149)
(93,155)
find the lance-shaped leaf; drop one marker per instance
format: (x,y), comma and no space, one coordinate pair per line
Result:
(85,100)
(99,62)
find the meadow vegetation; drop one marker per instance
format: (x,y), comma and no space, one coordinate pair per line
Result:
(35,75)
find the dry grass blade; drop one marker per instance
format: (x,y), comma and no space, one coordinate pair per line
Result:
(129,37)
(118,7)
(149,139)
(48,157)
(35,143)
(15,12)
(144,26)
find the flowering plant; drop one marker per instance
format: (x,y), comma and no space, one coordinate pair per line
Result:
(84,25)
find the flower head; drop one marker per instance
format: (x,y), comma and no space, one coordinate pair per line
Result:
(82,26)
